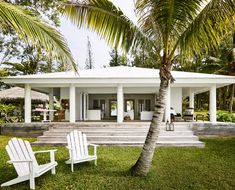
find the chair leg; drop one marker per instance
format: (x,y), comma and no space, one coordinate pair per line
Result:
(53,171)
(71,167)
(32,182)
(15,181)
(31,176)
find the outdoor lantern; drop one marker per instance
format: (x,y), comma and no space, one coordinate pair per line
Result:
(170,126)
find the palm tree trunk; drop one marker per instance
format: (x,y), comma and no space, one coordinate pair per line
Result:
(143,164)
(231,98)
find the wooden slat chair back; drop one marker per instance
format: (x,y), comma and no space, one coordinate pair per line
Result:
(18,149)
(24,161)
(78,148)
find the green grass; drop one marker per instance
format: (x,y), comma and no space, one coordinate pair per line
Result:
(173,168)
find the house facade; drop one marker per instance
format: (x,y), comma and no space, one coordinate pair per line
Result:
(117,93)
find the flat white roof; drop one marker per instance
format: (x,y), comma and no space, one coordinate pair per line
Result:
(120,72)
(111,76)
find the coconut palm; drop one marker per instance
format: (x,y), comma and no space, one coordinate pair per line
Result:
(32,30)
(189,26)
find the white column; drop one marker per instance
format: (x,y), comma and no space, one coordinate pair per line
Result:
(81,106)
(51,105)
(27,103)
(84,106)
(120,103)
(213,103)
(191,99)
(72,103)
(168,105)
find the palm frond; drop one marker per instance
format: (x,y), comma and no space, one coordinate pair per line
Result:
(31,29)
(108,21)
(209,27)
(167,19)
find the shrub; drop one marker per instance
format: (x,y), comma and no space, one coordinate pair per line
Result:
(225,117)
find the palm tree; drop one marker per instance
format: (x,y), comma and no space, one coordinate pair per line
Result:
(32,30)
(189,26)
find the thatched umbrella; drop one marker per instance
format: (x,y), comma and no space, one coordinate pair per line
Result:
(16,94)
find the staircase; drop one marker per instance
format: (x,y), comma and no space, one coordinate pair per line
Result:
(126,134)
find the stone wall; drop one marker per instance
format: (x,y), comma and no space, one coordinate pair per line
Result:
(23,130)
(213,129)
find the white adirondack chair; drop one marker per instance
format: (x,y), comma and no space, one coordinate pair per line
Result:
(78,149)
(23,159)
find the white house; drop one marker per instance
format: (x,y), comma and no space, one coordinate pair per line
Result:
(111,93)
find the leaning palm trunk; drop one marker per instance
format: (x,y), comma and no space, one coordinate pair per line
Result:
(231,98)
(143,164)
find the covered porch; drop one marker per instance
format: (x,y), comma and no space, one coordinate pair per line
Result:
(113,93)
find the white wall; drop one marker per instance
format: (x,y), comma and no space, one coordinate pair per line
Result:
(64,93)
(176,99)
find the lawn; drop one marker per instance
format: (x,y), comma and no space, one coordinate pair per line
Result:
(173,168)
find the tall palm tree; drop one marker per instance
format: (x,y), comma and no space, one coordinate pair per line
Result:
(31,29)
(169,25)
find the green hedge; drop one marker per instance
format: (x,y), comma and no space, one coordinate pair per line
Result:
(225,117)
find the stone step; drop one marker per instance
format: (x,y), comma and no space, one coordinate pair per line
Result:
(126,143)
(120,133)
(128,134)
(86,130)
(123,138)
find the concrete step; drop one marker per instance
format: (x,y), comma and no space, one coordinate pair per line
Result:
(123,138)
(128,134)
(87,130)
(120,133)
(126,143)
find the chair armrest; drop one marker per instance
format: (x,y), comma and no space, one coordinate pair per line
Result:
(95,148)
(69,148)
(44,151)
(18,161)
(52,153)
(93,145)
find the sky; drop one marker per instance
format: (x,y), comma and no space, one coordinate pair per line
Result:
(77,38)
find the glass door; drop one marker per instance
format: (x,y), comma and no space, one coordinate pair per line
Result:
(113,108)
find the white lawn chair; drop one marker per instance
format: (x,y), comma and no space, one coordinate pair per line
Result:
(23,159)
(78,149)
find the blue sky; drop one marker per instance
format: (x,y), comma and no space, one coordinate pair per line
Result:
(77,38)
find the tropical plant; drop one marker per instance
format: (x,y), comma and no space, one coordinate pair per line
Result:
(188,26)
(33,31)
(117,59)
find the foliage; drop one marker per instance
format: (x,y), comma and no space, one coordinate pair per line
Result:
(117,59)
(30,27)
(225,116)
(173,168)
(6,109)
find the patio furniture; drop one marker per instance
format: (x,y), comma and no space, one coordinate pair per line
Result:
(178,118)
(23,159)
(44,111)
(78,149)
(60,115)
(188,115)
(129,113)
(200,116)
(146,115)
(93,114)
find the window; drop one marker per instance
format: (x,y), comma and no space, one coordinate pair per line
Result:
(95,104)
(113,108)
(147,105)
(129,105)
